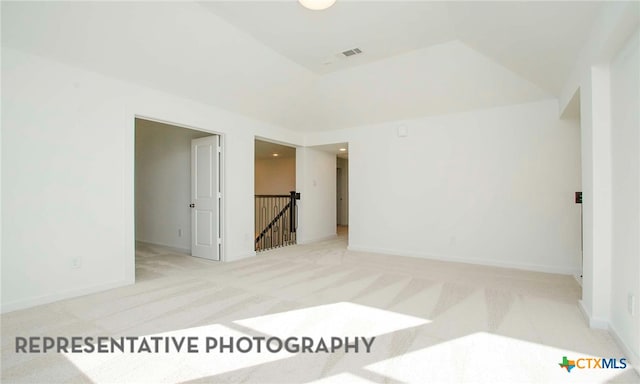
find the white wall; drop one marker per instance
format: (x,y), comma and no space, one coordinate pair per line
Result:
(492,186)
(344,181)
(275,176)
(68,179)
(316,182)
(604,75)
(64,191)
(163,184)
(625,150)
(596,187)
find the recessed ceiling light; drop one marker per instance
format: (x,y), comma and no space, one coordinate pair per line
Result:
(316,5)
(275,155)
(342,149)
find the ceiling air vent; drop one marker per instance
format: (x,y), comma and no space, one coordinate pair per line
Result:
(352,52)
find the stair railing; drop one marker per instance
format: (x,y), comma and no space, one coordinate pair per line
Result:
(276,220)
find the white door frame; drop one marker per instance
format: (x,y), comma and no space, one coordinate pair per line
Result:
(129,194)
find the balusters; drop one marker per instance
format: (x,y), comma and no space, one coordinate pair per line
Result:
(275,220)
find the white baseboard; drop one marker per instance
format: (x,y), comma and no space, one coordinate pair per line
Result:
(454,259)
(185,251)
(188,251)
(318,239)
(242,257)
(50,298)
(633,358)
(593,322)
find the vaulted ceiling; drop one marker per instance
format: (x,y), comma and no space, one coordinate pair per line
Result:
(537,40)
(280,63)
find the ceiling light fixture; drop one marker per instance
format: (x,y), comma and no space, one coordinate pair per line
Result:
(275,155)
(342,149)
(316,5)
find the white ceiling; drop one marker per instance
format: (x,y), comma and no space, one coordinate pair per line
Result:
(266,59)
(538,40)
(315,39)
(442,79)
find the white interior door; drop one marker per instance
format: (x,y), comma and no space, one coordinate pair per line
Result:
(205,198)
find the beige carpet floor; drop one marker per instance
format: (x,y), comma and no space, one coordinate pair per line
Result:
(433,322)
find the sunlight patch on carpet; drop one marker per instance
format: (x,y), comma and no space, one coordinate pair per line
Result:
(488,358)
(338,320)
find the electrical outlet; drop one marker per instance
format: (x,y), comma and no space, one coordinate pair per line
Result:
(631,304)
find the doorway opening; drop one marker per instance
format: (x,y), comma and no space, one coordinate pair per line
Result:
(275,200)
(338,194)
(572,112)
(342,191)
(178,189)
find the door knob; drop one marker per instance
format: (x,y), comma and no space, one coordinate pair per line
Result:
(192,205)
